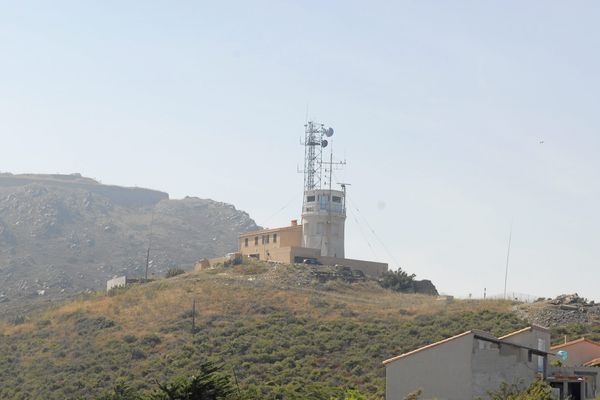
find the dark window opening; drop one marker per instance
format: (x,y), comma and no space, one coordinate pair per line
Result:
(256,241)
(274,238)
(246,242)
(336,199)
(310,198)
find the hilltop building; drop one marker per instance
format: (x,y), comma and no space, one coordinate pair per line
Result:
(469,365)
(319,238)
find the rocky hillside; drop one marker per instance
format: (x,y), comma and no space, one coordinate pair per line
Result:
(64,234)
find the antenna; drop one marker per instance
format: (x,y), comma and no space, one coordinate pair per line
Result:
(318,208)
(507,260)
(315,141)
(344,185)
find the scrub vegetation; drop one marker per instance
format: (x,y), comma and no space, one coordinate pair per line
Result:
(277,332)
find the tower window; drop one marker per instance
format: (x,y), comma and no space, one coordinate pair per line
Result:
(310,199)
(274,238)
(336,199)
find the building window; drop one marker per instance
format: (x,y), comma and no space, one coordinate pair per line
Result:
(274,238)
(267,239)
(310,199)
(246,242)
(256,240)
(336,199)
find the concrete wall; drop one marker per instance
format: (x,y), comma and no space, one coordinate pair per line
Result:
(370,268)
(579,353)
(324,222)
(494,364)
(530,337)
(535,338)
(443,372)
(116,282)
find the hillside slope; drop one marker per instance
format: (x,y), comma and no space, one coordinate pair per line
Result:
(284,333)
(63,234)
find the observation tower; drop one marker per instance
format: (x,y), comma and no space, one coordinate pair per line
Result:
(323,207)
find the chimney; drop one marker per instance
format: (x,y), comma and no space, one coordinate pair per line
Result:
(294,222)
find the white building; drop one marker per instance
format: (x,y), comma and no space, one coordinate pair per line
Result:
(469,365)
(323,219)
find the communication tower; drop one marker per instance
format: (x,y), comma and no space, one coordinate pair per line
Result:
(323,208)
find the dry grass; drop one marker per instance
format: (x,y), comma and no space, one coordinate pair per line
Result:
(142,308)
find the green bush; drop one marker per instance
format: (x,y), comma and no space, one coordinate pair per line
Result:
(174,272)
(538,390)
(398,281)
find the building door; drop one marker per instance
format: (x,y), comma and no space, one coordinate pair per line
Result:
(574,391)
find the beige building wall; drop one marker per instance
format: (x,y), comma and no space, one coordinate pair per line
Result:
(580,352)
(262,243)
(442,371)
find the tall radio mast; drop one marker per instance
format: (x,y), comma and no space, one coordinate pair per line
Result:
(323,209)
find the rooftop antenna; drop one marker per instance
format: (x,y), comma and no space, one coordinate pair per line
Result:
(507,260)
(344,189)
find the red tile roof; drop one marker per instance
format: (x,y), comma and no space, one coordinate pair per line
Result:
(572,342)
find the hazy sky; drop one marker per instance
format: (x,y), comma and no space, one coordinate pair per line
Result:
(439,108)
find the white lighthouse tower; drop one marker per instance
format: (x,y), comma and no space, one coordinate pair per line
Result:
(323,208)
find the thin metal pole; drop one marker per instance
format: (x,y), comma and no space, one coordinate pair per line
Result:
(194,316)
(149,244)
(507,260)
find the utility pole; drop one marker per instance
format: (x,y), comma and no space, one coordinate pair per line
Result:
(194,316)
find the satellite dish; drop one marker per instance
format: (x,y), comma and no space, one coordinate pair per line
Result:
(329,132)
(324,143)
(563,355)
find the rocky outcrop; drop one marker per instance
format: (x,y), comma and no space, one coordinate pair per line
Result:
(425,286)
(566,309)
(64,234)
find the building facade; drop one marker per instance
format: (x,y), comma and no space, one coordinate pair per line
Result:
(469,365)
(323,220)
(286,245)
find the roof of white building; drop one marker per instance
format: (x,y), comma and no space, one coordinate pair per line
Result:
(477,334)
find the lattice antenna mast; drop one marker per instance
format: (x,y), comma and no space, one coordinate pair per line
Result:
(313,155)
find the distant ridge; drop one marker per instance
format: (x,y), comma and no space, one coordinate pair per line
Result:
(63,234)
(120,195)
